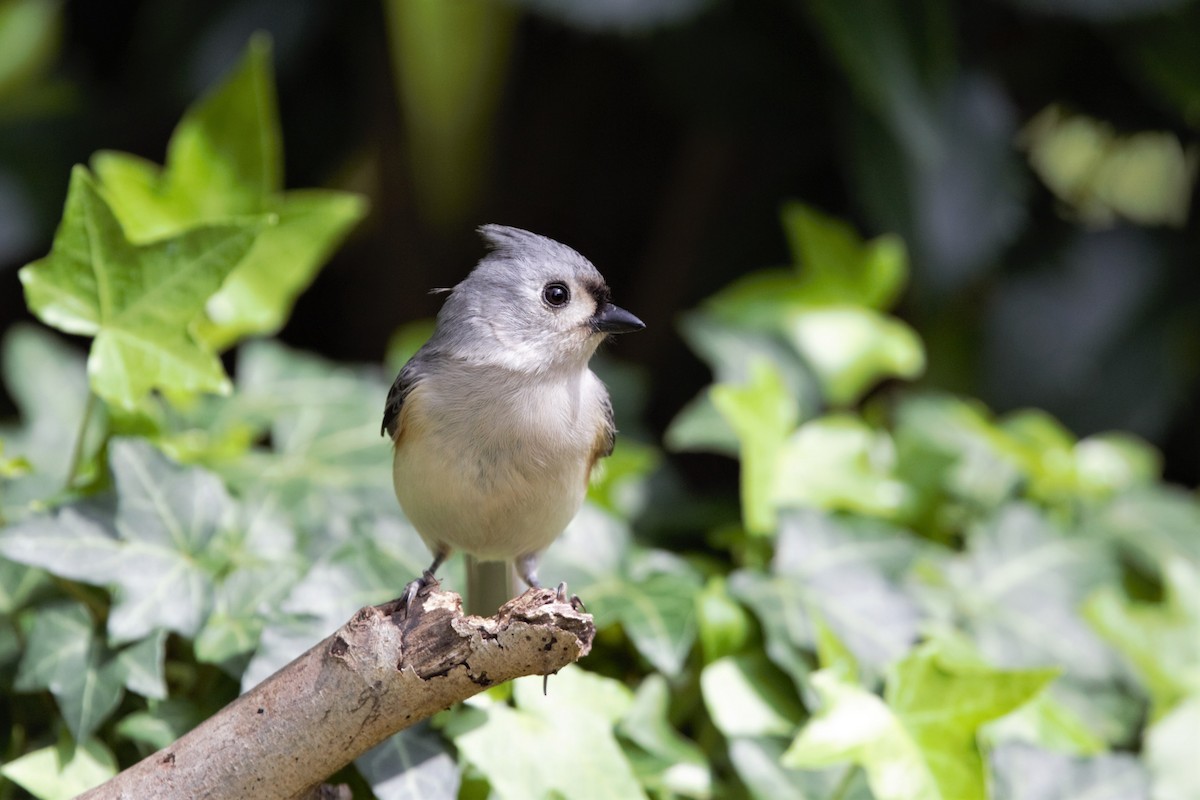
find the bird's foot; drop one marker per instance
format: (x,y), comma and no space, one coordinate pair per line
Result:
(423,584)
(561,596)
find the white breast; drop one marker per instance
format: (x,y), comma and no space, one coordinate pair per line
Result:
(493,463)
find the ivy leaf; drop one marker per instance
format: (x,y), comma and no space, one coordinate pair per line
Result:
(829,571)
(1027,773)
(414,764)
(918,741)
(839,463)
(761,413)
(1161,641)
(678,763)
(136,301)
(1169,750)
(650,593)
(757,760)
(62,771)
(65,656)
(507,744)
(153,548)
(225,160)
(746,696)
(1017,591)
(48,384)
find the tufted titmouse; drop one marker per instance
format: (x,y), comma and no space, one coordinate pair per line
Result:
(497,421)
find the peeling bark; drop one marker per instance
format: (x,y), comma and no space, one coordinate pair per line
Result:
(379,673)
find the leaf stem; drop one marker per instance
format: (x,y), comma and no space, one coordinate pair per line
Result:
(844,784)
(80,438)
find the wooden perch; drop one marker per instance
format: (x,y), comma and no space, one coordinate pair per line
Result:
(379,673)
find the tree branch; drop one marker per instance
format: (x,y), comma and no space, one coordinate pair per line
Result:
(379,673)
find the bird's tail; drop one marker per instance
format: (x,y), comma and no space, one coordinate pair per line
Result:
(490,584)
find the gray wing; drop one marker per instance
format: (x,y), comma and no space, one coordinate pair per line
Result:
(410,375)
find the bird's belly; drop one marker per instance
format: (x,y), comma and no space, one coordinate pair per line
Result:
(495,507)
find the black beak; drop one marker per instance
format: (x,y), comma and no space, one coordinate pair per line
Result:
(613,319)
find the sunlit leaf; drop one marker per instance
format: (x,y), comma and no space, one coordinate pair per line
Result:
(918,741)
(745,698)
(838,463)
(509,745)
(63,771)
(225,160)
(1170,752)
(137,301)
(667,760)
(762,413)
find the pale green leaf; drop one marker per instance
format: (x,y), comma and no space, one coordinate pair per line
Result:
(647,725)
(64,655)
(63,771)
(761,413)
(852,348)
(47,381)
(758,761)
(830,571)
(1160,640)
(509,745)
(839,463)
(1027,773)
(142,664)
(1169,751)
(745,697)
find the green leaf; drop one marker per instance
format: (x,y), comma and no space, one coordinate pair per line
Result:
(414,764)
(1169,751)
(761,413)
(1017,591)
(919,740)
(142,665)
(758,761)
(153,548)
(851,349)
(724,625)
(137,301)
(837,267)
(746,696)
(1145,177)
(1027,773)
(65,656)
(224,161)
(837,573)
(651,594)
(63,771)
(258,296)
(18,584)
(370,565)
(47,381)
(839,463)
(1160,641)
(508,745)
(666,762)
(162,724)
(1152,524)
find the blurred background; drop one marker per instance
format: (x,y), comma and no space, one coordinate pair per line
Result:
(1038,157)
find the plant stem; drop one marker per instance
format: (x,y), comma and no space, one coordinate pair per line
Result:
(80,439)
(844,784)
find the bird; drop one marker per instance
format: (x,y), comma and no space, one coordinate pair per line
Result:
(497,421)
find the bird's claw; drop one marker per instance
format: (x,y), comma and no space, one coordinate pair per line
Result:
(414,588)
(560,595)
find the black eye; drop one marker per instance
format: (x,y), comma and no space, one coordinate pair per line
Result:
(556,294)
